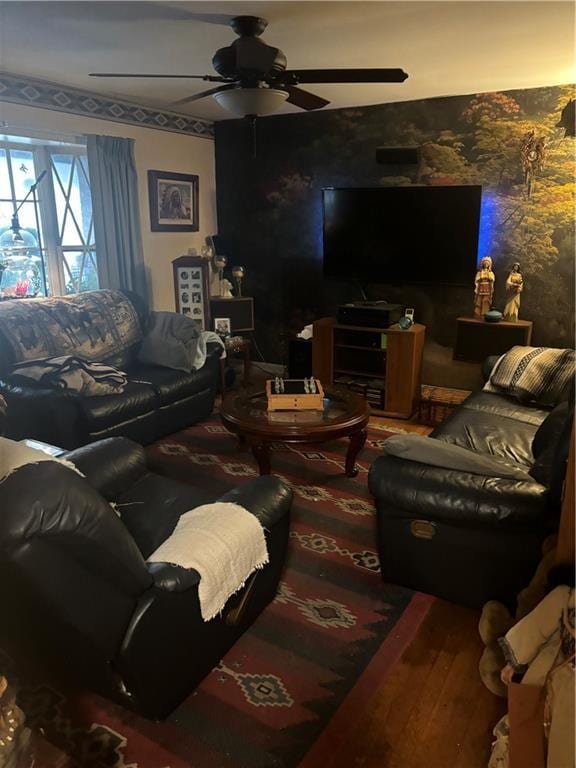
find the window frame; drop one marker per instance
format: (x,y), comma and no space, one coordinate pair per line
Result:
(53,250)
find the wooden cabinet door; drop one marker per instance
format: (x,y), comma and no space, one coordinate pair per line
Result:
(323,351)
(403,371)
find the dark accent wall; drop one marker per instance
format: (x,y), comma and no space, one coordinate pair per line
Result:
(270,216)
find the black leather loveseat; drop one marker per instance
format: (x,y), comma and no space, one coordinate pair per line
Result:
(78,597)
(103,326)
(465,537)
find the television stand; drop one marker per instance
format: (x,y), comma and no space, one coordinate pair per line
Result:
(382,364)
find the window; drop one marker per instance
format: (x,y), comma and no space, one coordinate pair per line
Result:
(58,249)
(21,262)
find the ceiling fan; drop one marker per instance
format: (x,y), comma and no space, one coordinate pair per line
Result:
(253,76)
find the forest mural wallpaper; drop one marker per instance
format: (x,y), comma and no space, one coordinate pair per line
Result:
(270,216)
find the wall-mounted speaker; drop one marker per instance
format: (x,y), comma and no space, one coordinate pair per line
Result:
(398,155)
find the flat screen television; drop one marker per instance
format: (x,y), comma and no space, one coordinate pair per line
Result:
(402,234)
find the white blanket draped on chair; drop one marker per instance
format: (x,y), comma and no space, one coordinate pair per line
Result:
(224,542)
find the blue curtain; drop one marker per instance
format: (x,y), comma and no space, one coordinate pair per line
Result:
(118,236)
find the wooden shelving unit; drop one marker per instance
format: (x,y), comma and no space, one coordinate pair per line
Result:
(371,360)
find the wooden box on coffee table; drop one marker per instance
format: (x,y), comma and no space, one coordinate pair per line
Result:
(294,397)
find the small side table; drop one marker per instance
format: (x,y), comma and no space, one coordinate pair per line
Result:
(436,403)
(477,339)
(236,347)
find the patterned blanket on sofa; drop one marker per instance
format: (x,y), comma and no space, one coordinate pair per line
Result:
(72,373)
(95,325)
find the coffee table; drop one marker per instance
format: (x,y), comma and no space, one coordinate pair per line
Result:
(345,414)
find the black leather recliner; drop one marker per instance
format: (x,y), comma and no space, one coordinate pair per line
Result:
(465,537)
(78,597)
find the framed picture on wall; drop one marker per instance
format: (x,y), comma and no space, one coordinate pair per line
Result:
(192,289)
(173,201)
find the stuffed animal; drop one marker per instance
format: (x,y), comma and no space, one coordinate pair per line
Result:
(539,653)
(539,637)
(496,620)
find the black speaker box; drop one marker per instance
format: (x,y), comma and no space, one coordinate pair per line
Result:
(369,314)
(239,309)
(476,339)
(398,155)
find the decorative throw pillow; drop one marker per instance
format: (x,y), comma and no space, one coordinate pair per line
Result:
(534,374)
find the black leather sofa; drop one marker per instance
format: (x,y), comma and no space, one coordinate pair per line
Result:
(157,401)
(78,598)
(465,537)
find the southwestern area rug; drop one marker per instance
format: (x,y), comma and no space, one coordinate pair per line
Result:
(280,697)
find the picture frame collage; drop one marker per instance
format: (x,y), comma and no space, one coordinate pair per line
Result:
(192,293)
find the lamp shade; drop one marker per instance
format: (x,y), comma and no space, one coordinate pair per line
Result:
(21,244)
(251,101)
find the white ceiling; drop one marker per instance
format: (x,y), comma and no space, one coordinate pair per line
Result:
(448,48)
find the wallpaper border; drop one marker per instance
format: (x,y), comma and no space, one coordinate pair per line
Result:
(19,89)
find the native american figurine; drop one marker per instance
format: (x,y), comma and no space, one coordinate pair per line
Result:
(514,287)
(483,287)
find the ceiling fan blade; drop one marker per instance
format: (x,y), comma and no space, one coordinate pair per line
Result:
(209,78)
(123,12)
(304,99)
(197,96)
(210,18)
(296,76)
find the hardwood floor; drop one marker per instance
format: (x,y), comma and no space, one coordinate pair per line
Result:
(432,711)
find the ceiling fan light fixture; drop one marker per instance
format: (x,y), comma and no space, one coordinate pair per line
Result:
(251,101)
